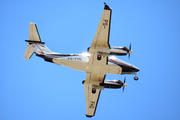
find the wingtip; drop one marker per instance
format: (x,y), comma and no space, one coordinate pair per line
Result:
(89,116)
(32,23)
(106,7)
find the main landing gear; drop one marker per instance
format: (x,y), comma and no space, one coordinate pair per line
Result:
(94,90)
(98,57)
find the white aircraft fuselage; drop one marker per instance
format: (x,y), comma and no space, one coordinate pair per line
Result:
(80,62)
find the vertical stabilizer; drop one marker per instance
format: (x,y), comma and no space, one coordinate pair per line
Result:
(33,33)
(33,36)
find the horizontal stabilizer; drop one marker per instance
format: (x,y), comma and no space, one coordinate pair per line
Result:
(29,52)
(31,41)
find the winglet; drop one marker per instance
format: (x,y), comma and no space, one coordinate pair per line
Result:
(106,7)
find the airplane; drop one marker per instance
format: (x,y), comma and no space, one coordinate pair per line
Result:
(96,64)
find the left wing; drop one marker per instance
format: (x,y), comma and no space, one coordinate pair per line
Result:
(92,92)
(101,38)
(99,56)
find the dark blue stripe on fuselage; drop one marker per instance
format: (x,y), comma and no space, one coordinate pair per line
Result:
(125,68)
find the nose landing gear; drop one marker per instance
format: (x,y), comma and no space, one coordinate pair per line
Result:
(136,78)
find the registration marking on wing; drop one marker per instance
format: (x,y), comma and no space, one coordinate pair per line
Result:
(91,104)
(105,23)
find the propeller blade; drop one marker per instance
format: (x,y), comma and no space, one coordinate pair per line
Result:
(130,46)
(129,50)
(124,79)
(129,55)
(124,83)
(123,89)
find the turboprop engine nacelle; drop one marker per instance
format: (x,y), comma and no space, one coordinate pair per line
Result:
(113,84)
(116,51)
(120,51)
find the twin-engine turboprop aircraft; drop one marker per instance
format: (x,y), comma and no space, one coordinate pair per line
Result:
(96,64)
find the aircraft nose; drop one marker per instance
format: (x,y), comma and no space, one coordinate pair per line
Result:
(137,69)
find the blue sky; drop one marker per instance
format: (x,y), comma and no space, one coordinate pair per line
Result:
(37,90)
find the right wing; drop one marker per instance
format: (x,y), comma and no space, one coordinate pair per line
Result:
(92,97)
(91,100)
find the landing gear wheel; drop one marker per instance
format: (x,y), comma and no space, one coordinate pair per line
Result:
(88,49)
(93,90)
(136,78)
(99,57)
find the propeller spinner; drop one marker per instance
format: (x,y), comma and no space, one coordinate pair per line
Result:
(128,50)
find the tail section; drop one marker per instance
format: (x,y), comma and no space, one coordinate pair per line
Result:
(33,33)
(34,43)
(33,36)
(39,48)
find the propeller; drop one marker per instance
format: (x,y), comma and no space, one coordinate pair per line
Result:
(124,79)
(124,84)
(129,50)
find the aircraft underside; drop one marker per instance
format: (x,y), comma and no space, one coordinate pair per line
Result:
(96,64)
